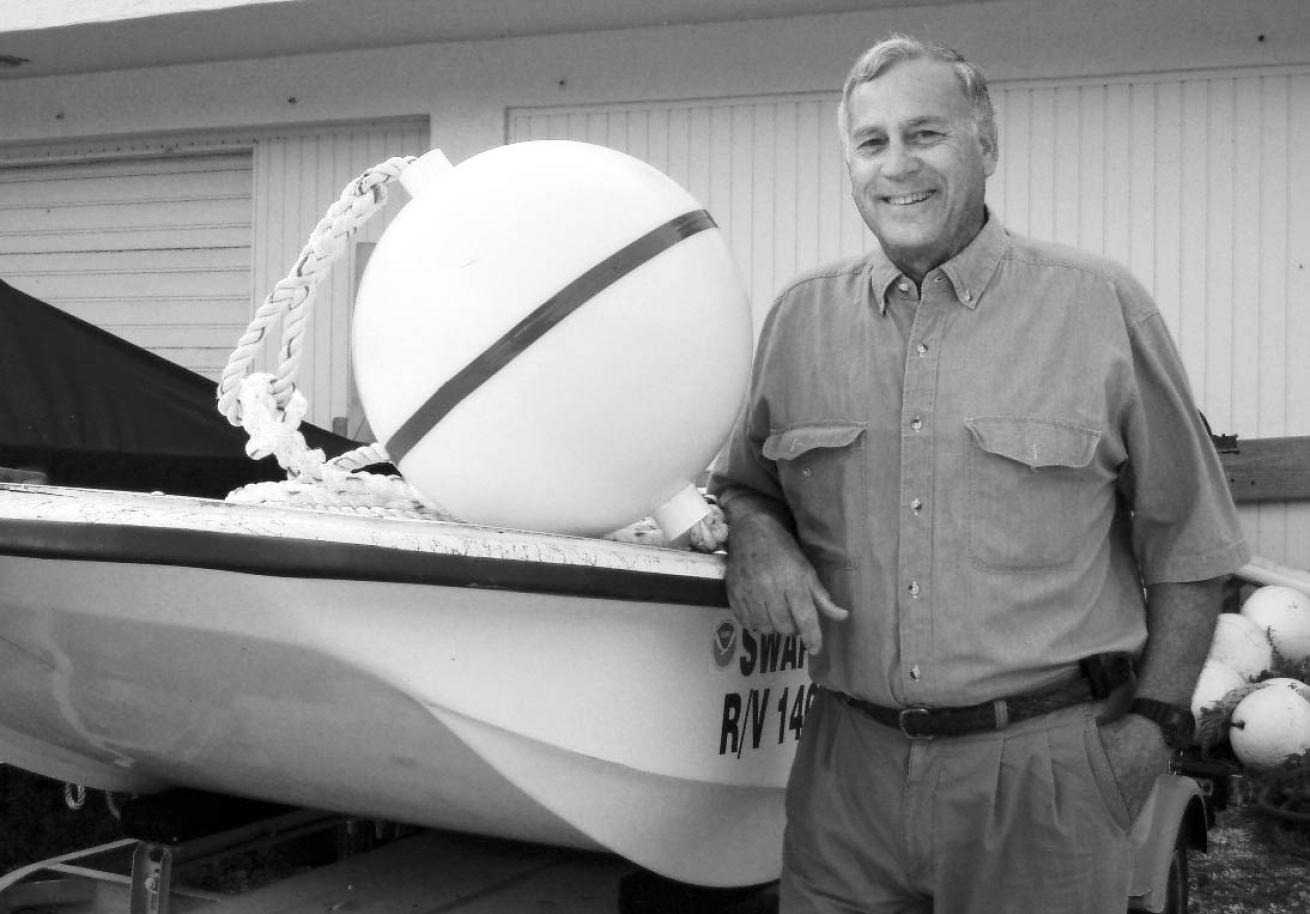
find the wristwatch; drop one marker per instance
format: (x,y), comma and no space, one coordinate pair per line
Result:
(1176,723)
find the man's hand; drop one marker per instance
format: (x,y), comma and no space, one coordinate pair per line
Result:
(1180,620)
(772,587)
(1138,755)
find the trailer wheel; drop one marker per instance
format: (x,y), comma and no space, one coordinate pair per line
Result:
(1175,900)
(1177,888)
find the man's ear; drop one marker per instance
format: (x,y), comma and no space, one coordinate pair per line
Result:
(990,149)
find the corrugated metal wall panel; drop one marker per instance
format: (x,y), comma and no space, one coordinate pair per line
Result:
(155,249)
(1193,180)
(298,176)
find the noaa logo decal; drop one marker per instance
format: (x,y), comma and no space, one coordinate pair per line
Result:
(724,643)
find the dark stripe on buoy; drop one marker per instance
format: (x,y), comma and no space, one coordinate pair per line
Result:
(535,325)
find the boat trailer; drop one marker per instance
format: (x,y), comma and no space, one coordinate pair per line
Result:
(331,862)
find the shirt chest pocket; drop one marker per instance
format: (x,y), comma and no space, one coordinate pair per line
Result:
(1034,493)
(821,468)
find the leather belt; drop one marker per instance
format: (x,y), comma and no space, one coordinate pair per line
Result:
(1098,676)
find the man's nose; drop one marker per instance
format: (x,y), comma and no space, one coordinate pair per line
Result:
(898,160)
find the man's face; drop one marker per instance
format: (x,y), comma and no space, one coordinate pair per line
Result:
(917,164)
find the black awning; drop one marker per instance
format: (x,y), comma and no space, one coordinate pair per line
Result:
(89,409)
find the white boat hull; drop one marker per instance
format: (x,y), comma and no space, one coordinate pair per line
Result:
(491,681)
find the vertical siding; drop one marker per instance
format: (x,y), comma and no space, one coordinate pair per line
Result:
(298,175)
(1196,181)
(1188,180)
(1285,201)
(769,170)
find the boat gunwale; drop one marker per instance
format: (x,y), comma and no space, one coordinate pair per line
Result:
(295,556)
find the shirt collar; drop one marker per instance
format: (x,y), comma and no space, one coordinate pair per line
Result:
(969,271)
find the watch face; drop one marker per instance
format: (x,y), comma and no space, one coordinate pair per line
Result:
(1179,731)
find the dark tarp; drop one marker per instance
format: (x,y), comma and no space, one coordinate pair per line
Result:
(89,409)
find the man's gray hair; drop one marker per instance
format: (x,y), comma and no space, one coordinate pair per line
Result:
(899,48)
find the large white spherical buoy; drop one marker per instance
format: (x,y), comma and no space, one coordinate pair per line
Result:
(1287,682)
(1216,680)
(551,335)
(1269,725)
(1284,613)
(1242,645)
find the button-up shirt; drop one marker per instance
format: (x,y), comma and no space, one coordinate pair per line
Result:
(985,469)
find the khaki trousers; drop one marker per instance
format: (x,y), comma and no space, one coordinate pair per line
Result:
(1026,820)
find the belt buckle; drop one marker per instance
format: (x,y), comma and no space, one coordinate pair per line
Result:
(908,714)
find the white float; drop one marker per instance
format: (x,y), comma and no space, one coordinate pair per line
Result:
(1287,682)
(552,336)
(1242,645)
(1269,725)
(1216,680)
(1284,613)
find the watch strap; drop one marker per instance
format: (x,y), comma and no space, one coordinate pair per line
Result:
(1176,722)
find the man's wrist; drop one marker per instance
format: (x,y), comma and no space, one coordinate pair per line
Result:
(753,508)
(1174,723)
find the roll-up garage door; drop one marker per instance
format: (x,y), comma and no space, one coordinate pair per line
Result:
(156,249)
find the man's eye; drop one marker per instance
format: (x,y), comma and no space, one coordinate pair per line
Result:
(926,136)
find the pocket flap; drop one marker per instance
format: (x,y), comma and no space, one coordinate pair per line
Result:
(793,442)
(1035,442)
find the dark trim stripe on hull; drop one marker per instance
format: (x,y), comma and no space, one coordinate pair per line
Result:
(300,558)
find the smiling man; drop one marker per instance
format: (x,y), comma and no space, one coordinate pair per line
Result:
(919,159)
(970,475)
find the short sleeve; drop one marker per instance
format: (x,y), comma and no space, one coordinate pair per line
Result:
(741,466)
(1185,527)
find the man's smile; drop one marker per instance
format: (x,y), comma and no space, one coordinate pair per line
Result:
(909,199)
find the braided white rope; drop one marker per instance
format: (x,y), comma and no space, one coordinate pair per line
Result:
(363,456)
(313,482)
(291,298)
(270,408)
(343,492)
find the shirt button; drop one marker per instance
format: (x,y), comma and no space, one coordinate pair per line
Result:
(805,471)
(916,423)
(904,286)
(916,505)
(968,296)
(913,588)
(914,672)
(938,278)
(922,349)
